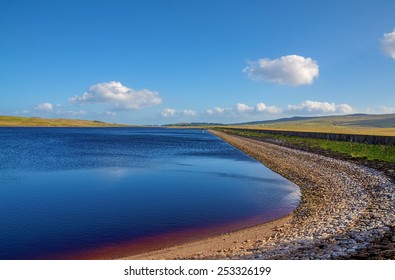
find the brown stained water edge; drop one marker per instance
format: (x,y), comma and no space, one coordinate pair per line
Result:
(82,193)
(163,240)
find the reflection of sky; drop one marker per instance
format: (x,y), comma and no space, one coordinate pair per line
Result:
(86,198)
(67,148)
(116,172)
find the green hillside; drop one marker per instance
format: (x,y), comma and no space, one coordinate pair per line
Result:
(35,121)
(353,124)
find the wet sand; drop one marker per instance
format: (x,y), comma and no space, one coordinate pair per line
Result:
(345,208)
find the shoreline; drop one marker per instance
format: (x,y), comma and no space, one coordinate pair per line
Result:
(220,246)
(345,208)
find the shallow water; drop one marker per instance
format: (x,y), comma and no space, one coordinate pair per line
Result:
(66,191)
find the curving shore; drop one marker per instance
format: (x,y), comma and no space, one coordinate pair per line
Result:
(345,208)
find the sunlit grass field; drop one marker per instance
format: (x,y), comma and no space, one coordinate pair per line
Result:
(326,129)
(351,124)
(24,121)
(356,150)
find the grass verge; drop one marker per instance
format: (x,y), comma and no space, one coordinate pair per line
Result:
(356,150)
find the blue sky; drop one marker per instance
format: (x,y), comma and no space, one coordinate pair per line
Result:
(155,62)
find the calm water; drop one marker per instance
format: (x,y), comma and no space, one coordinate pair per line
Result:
(70,190)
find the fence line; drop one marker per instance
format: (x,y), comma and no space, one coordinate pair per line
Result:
(359,138)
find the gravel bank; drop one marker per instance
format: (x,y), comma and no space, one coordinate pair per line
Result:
(344,209)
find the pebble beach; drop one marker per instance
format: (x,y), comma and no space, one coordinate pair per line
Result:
(345,210)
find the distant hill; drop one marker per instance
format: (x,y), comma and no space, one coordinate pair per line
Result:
(277,121)
(357,123)
(386,120)
(36,121)
(193,124)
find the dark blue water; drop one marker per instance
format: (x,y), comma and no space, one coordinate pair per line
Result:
(66,190)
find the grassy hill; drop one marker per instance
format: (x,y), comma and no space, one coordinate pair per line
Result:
(352,124)
(35,121)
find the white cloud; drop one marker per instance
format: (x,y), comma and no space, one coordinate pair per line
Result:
(44,107)
(261,107)
(287,70)
(219,111)
(215,110)
(388,43)
(168,112)
(189,113)
(316,107)
(387,110)
(116,94)
(72,112)
(109,113)
(344,109)
(243,109)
